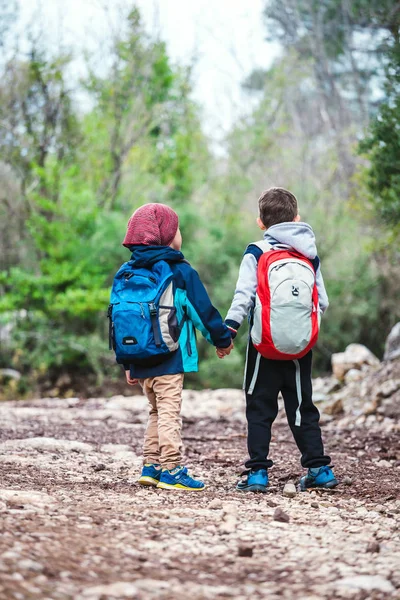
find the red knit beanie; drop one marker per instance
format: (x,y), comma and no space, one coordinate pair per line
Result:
(151,225)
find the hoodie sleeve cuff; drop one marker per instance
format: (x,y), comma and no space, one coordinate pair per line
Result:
(233,327)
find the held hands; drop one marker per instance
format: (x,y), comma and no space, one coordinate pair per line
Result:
(222,352)
(128,378)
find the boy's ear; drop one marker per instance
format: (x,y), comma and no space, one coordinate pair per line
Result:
(261,224)
(297,219)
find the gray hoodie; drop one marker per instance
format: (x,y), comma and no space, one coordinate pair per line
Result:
(298,236)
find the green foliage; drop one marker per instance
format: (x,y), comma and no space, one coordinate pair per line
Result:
(382,146)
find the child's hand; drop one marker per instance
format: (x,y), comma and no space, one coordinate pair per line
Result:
(128,378)
(222,352)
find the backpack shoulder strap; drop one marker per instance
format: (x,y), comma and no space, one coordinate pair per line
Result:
(263,245)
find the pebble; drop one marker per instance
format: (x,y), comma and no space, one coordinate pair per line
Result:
(229,525)
(30,565)
(347,481)
(314,505)
(281,516)
(215,504)
(100,467)
(289,490)
(120,589)
(245,550)
(373,547)
(229,508)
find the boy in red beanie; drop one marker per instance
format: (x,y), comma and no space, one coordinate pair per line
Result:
(152,236)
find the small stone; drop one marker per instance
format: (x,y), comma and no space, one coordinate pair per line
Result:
(334,408)
(354,357)
(245,550)
(314,505)
(215,504)
(20,498)
(373,547)
(228,526)
(272,503)
(281,516)
(229,509)
(392,346)
(100,467)
(385,464)
(367,583)
(47,444)
(289,490)
(120,589)
(30,565)
(347,481)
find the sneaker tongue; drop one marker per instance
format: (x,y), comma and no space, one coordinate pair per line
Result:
(176,470)
(315,471)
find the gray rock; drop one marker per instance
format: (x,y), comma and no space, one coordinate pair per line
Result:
(120,589)
(10,374)
(289,490)
(48,444)
(354,357)
(22,498)
(392,346)
(27,564)
(281,516)
(367,583)
(229,525)
(215,504)
(373,547)
(335,407)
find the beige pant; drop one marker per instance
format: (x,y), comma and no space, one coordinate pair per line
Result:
(163,442)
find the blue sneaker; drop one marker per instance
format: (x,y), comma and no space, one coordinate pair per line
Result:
(320,477)
(151,474)
(178,479)
(256,481)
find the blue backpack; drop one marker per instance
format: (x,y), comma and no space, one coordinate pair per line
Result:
(143,325)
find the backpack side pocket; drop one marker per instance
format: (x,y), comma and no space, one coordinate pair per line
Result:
(168,319)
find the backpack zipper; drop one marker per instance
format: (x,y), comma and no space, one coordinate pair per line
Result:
(110,326)
(128,276)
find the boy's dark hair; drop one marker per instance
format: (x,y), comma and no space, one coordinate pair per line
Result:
(277,205)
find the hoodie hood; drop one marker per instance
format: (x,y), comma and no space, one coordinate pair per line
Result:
(298,236)
(146,256)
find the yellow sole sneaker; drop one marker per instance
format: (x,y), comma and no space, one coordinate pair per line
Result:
(148,481)
(179,487)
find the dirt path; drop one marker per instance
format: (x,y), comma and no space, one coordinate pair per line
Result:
(74,525)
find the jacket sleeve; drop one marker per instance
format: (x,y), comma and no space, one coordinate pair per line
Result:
(245,292)
(204,316)
(322,294)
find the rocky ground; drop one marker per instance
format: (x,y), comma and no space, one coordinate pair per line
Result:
(75,525)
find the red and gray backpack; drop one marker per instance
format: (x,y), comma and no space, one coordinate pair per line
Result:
(286,313)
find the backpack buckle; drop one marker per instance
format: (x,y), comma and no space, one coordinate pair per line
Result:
(153,309)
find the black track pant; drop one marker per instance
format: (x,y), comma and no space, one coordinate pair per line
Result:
(293,379)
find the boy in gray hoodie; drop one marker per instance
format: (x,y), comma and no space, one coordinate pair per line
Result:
(265,378)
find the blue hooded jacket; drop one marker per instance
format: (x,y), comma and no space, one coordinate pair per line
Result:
(191,299)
